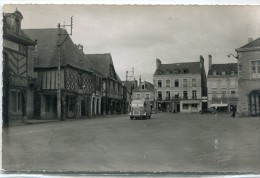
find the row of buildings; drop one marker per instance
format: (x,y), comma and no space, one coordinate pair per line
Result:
(185,87)
(47,76)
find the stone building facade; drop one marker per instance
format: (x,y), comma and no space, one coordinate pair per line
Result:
(249,78)
(179,87)
(222,84)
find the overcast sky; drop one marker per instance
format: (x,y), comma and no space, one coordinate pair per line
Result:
(137,35)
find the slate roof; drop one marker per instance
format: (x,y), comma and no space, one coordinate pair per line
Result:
(219,68)
(253,44)
(179,68)
(102,63)
(47,40)
(148,87)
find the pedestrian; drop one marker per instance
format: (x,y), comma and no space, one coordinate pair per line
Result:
(234,111)
(231,109)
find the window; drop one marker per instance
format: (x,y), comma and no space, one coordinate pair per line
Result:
(184,82)
(214,94)
(214,72)
(138,96)
(255,69)
(185,106)
(159,84)
(194,106)
(176,95)
(147,96)
(176,83)
(223,72)
(16,101)
(168,95)
(224,94)
(142,86)
(194,82)
(232,72)
(194,94)
(159,95)
(185,94)
(168,83)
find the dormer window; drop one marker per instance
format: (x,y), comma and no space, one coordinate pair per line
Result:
(143,86)
(17,26)
(214,72)
(168,71)
(223,72)
(176,71)
(232,72)
(185,70)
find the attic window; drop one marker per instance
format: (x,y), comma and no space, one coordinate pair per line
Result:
(142,86)
(223,72)
(185,70)
(232,72)
(214,72)
(160,72)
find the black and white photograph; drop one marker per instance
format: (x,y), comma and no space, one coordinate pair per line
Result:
(131,89)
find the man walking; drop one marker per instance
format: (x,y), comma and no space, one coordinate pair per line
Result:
(234,110)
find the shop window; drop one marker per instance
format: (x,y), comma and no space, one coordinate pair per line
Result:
(194,106)
(47,104)
(185,106)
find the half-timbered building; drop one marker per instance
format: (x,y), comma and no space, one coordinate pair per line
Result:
(18,76)
(77,81)
(114,98)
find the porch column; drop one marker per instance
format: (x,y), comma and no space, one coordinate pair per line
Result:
(90,100)
(95,106)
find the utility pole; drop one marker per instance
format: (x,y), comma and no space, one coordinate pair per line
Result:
(59,45)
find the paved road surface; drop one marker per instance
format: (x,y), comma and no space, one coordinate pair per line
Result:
(167,142)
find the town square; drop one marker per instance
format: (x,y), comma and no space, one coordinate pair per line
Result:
(131,88)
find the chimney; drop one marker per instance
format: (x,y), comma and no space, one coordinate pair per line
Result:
(158,63)
(210,62)
(201,61)
(250,40)
(140,80)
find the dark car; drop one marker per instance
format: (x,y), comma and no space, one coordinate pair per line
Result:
(208,111)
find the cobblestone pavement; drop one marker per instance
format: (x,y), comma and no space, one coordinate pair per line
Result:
(166,143)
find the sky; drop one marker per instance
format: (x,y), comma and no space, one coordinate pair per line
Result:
(137,35)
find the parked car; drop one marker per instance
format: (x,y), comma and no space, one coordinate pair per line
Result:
(208,111)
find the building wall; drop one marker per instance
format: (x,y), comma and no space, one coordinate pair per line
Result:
(143,95)
(179,89)
(246,83)
(219,84)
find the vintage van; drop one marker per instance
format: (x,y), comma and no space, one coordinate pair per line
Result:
(140,109)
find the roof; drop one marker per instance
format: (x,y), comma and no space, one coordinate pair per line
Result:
(130,85)
(219,68)
(103,63)
(8,33)
(47,40)
(253,44)
(148,87)
(178,68)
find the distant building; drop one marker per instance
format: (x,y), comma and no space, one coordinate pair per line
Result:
(80,84)
(18,75)
(180,86)
(222,84)
(130,86)
(114,99)
(144,91)
(249,78)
